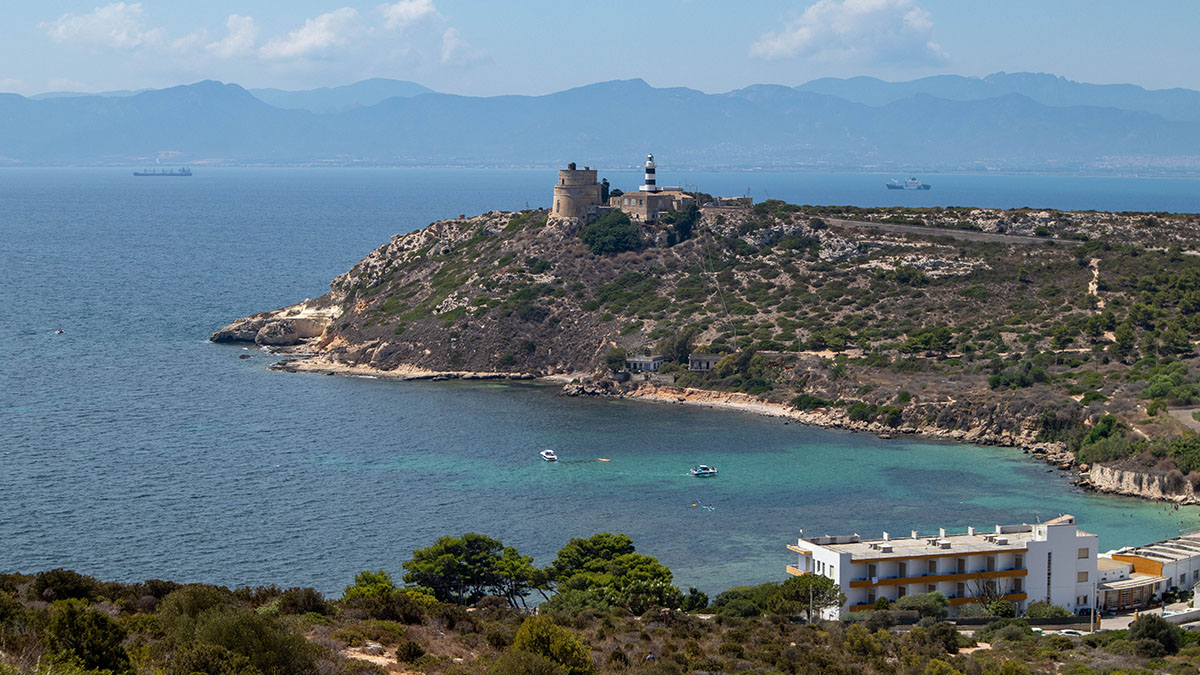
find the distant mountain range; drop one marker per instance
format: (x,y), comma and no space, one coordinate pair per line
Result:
(1020,121)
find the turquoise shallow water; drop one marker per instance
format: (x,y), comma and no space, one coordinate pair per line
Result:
(130,447)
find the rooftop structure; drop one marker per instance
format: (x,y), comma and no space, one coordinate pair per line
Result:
(1178,560)
(1051,561)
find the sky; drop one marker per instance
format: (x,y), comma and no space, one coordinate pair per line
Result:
(484,47)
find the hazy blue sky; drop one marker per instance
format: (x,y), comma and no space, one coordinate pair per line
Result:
(484,47)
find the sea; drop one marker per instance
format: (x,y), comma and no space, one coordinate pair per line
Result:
(133,448)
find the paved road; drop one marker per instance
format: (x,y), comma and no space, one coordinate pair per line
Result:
(966,235)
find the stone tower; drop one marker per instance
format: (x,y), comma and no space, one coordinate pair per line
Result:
(575,191)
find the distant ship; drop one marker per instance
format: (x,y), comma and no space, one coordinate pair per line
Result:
(910,184)
(164,172)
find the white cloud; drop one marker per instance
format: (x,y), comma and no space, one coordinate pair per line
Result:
(456,51)
(11,85)
(402,14)
(243,35)
(858,31)
(117,25)
(315,37)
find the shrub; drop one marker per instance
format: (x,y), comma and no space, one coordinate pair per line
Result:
(61,584)
(1040,609)
(611,233)
(302,601)
(409,651)
(808,402)
(78,632)
(927,604)
(1154,627)
(209,659)
(260,638)
(180,609)
(520,662)
(538,635)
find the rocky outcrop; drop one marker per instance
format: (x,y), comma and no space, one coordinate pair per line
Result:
(1171,486)
(286,327)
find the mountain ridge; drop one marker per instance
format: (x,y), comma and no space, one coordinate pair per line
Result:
(768,126)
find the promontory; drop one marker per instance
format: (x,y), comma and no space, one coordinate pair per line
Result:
(1069,334)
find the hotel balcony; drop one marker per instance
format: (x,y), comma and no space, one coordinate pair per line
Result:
(937,578)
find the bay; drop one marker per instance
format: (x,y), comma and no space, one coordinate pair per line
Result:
(132,448)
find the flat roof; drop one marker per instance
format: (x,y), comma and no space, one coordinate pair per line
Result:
(1168,550)
(1016,537)
(1110,564)
(1136,579)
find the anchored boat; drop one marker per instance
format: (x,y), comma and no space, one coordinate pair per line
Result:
(910,184)
(164,172)
(704,470)
(548,455)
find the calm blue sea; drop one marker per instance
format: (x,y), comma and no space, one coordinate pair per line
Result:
(131,448)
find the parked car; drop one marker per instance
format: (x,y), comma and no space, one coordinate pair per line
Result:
(1070,631)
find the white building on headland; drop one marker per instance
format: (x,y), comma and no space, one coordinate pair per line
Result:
(1052,562)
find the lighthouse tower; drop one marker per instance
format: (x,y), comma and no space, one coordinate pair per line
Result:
(650,185)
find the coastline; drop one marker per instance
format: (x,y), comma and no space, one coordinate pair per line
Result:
(1097,479)
(1053,454)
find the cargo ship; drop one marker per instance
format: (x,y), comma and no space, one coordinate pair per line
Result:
(164,172)
(910,184)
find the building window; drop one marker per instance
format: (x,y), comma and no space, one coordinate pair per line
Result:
(962,565)
(1017,586)
(931,588)
(1019,561)
(961,590)
(1081,577)
(1083,554)
(901,591)
(931,566)
(1195,575)
(991,563)
(902,569)
(1183,578)
(872,571)
(871,597)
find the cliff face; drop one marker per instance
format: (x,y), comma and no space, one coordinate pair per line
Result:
(1170,486)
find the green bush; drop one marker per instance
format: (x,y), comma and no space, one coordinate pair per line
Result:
(179,611)
(209,659)
(1040,609)
(611,233)
(808,402)
(302,601)
(409,651)
(520,662)
(87,636)
(927,604)
(260,638)
(61,584)
(1156,628)
(538,635)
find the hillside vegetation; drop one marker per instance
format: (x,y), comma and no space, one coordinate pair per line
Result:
(1014,326)
(458,612)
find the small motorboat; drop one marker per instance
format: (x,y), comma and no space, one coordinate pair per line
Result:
(548,455)
(704,470)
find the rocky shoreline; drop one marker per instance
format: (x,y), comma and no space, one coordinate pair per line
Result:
(1099,478)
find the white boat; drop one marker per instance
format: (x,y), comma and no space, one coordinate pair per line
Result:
(548,455)
(704,470)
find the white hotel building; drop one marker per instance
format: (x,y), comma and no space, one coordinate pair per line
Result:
(1051,561)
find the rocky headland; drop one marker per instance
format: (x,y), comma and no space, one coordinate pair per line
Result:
(1022,328)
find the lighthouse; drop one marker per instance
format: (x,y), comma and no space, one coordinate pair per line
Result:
(650,185)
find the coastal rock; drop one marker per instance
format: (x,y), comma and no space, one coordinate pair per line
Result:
(287,332)
(1170,486)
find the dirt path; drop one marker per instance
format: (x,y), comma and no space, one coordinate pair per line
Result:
(1184,415)
(1094,284)
(966,235)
